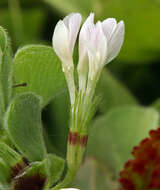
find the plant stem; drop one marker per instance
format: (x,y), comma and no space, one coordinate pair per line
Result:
(67,180)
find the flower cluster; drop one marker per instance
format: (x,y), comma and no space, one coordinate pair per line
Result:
(98,44)
(143,172)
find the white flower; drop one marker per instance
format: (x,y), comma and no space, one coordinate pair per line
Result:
(64,38)
(115,36)
(99,44)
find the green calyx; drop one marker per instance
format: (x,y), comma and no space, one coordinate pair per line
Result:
(82,112)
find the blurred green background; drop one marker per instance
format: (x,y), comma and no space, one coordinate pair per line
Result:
(128,83)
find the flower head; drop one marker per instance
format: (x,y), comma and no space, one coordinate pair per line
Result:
(98,44)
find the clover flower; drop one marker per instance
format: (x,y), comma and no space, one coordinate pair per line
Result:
(143,171)
(99,44)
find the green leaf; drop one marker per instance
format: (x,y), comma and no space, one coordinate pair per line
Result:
(38,67)
(23,123)
(56,167)
(5,72)
(108,87)
(94,175)
(113,135)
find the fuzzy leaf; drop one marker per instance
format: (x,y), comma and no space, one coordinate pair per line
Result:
(38,67)
(56,167)
(23,123)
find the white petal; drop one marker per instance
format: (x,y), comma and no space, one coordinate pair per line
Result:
(67,19)
(116,41)
(85,36)
(74,26)
(109,25)
(101,42)
(73,22)
(97,45)
(97,48)
(83,55)
(60,41)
